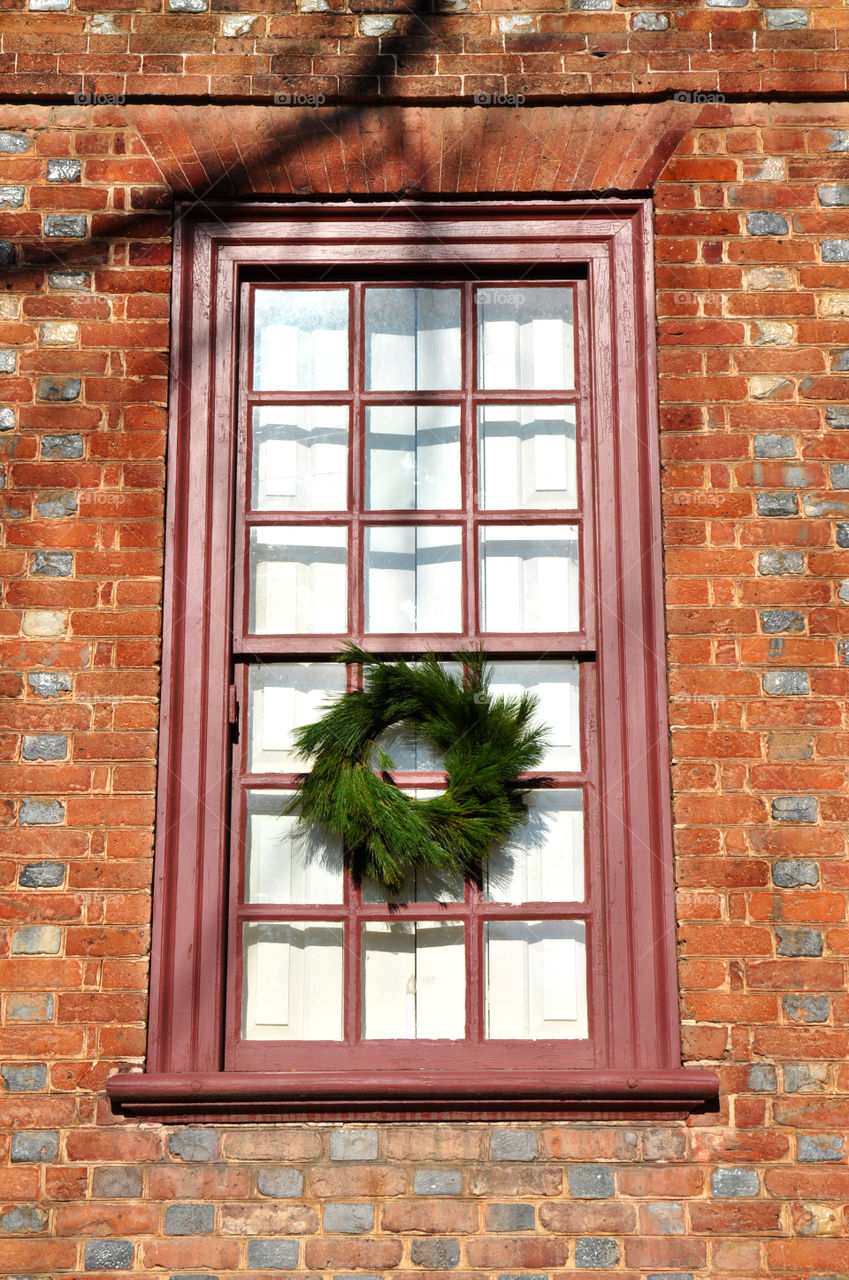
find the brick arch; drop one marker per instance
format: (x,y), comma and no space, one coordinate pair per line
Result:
(245,151)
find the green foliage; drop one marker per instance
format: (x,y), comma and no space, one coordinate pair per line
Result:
(485,742)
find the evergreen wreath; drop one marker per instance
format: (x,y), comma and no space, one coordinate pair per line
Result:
(486,742)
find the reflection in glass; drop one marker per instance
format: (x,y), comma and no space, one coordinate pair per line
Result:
(285,862)
(544,860)
(283,697)
(536,979)
(300,458)
(412,457)
(412,339)
(413,579)
(299,580)
(292,981)
(529,578)
(556,687)
(526,456)
(301,339)
(525,338)
(414,981)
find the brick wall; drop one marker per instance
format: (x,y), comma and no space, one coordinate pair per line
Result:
(752,252)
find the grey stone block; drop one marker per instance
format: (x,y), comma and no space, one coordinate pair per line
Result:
(806,1009)
(670,1275)
(24,1078)
(37,940)
(281,1183)
(510,1217)
(108,1255)
(42,875)
(12,144)
(279,1255)
(761,1078)
(775,446)
(795,809)
(351,1219)
(835,250)
(778,504)
(795,941)
(44,746)
(593,5)
(49,684)
(589,1182)
(790,873)
(527,1275)
(799,1077)
(73,226)
(37,1007)
(353,1144)
(793,683)
(831,195)
(35,1146)
(786,19)
(839,140)
(64,170)
(52,564)
(438,1182)
(733,1184)
(188,6)
(24,1217)
(773,620)
(820,1148)
(121,1182)
(596,1251)
(11,197)
(650,22)
(840,360)
(57,506)
(194,1275)
(66,446)
(7,253)
(189,1219)
(766,223)
(842,534)
(69,279)
(435,1255)
(8,360)
(514,1144)
(839,475)
(8,419)
(771,563)
(194,1144)
(59,388)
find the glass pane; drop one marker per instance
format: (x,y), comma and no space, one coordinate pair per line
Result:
(300,458)
(301,339)
(544,861)
(412,457)
(536,980)
(412,339)
(283,863)
(525,339)
(282,698)
(299,580)
(526,456)
(418,886)
(413,579)
(293,981)
(414,981)
(556,687)
(529,578)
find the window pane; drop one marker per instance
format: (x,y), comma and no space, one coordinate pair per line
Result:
(412,339)
(536,980)
(526,456)
(525,339)
(282,698)
(412,456)
(414,981)
(413,579)
(301,339)
(299,580)
(283,863)
(529,578)
(544,861)
(558,704)
(293,982)
(300,458)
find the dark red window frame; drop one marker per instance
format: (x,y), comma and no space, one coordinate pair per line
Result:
(631,1063)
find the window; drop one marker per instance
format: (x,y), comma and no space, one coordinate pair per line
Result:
(419,428)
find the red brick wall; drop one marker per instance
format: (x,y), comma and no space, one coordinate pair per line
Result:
(754,345)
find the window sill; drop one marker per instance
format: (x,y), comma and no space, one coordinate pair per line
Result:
(230,1096)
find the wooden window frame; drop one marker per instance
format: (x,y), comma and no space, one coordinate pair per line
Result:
(633,1067)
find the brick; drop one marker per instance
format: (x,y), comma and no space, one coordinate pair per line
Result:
(42,875)
(798,942)
(353,1219)
(37,940)
(38,1146)
(37,1007)
(279,1255)
(438,1182)
(793,683)
(353,1144)
(834,195)
(189,1219)
(24,1079)
(781,562)
(596,1251)
(513,1144)
(761,1078)
(775,446)
(790,873)
(435,1255)
(734,1183)
(510,1217)
(121,1182)
(281,1183)
(108,1255)
(766,223)
(61,389)
(589,1182)
(794,809)
(777,504)
(193,1144)
(820,1148)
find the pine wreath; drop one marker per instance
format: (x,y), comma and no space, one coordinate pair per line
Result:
(486,742)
